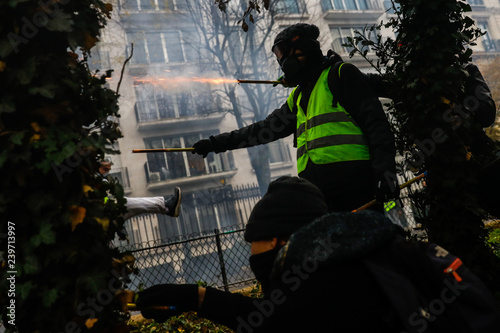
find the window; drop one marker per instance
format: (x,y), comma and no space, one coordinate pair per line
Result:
(488,43)
(173,165)
(173,46)
(476,2)
(344,4)
(278,152)
(340,35)
(156,47)
(154,4)
(154,102)
(285,7)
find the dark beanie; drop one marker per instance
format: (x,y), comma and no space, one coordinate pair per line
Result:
(301,30)
(289,203)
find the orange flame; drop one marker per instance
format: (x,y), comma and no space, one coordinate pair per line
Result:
(175,81)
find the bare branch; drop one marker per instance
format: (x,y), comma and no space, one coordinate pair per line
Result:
(123,67)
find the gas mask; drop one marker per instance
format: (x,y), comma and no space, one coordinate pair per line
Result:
(292,68)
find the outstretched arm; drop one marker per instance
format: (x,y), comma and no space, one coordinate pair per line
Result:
(279,124)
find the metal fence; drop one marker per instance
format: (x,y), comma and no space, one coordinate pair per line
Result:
(218,257)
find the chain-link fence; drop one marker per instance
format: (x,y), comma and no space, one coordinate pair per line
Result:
(219,257)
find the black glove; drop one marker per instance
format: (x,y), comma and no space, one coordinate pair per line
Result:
(203,147)
(179,297)
(387,189)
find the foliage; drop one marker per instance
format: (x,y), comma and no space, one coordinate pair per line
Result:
(491,75)
(54,125)
(254,291)
(423,67)
(187,322)
(494,241)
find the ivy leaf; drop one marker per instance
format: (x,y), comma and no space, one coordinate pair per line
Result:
(23,289)
(25,74)
(61,22)
(30,265)
(5,48)
(104,222)
(50,297)
(7,107)
(17,138)
(48,90)
(45,236)
(77,216)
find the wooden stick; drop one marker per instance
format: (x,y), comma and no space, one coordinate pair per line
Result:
(260,82)
(365,206)
(161,150)
(134,307)
(374,201)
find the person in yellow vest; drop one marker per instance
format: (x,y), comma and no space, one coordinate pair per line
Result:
(344,142)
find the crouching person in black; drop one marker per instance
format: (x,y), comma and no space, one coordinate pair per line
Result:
(289,203)
(342,272)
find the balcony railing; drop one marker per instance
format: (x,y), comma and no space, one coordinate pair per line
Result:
(152,110)
(186,166)
(359,10)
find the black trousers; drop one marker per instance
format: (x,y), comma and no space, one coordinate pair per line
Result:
(345,185)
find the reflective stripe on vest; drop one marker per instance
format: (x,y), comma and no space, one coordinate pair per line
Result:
(389,205)
(326,134)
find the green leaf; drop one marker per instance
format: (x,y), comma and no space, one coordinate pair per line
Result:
(61,22)
(5,48)
(30,265)
(25,74)
(50,297)
(17,138)
(7,107)
(48,90)
(24,289)
(45,236)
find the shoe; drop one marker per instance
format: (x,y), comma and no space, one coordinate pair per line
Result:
(173,204)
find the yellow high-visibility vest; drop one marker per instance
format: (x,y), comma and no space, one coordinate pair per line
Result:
(327,133)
